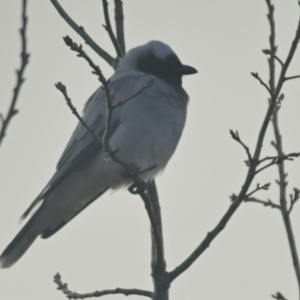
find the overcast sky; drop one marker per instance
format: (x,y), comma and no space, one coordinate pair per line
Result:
(108,245)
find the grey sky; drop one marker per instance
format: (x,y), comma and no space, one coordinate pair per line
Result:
(108,245)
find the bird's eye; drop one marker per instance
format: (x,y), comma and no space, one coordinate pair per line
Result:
(173,61)
(154,62)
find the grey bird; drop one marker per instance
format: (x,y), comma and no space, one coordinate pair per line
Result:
(146,130)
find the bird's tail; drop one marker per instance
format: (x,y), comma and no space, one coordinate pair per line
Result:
(21,242)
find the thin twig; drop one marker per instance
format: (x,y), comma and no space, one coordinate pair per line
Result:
(119,20)
(291,77)
(252,199)
(256,76)
(263,202)
(109,30)
(272,163)
(268,52)
(276,160)
(62,88)
(12,111)
(293,199)
(259,187)
(278,137)
(236,137)
(73,295)
(251,171)
(80,30)
(279,296)
(81,53)
(145,86)
(109,101)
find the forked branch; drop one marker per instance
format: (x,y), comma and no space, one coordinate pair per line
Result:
(278,138)
(110,32)
(252,167)
(81,31)
(73,295)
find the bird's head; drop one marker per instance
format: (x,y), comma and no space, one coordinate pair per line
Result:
(157,59)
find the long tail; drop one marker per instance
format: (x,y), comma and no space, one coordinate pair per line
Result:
(21,242)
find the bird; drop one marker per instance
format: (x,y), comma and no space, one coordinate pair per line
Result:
(145,131)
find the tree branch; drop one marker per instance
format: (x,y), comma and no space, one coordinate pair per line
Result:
(278,137)
(80,30)
(279,296)
(74,295)
(276,160)
(256,76)
(289,156)
(12,111)
(251,170)
(62,88)
(119,20)
(158,264)
(111,34)
(263,202)
(236,137)
(268,52)
(293,199)
(145,86)
(259,187)
(291,77)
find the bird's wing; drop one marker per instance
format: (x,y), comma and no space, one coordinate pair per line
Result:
(80,144)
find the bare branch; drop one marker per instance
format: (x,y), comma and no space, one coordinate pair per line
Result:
(289,156)
(78,48)
(255,200)
(275,90)
(293,199)
(63,90)
(276,160)
(251,170)
(259,187)
(119,20)
(139,187)
(279,296)
(268,52)
(291,77)
(73,295)
(145,86)
(236,137)
(12,111)
(109,100)
(108,28)
(80,30)
(256,76)
(263,202)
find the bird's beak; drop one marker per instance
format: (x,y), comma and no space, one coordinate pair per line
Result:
(186,70)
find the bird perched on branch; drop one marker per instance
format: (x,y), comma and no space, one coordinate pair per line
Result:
(145,130)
